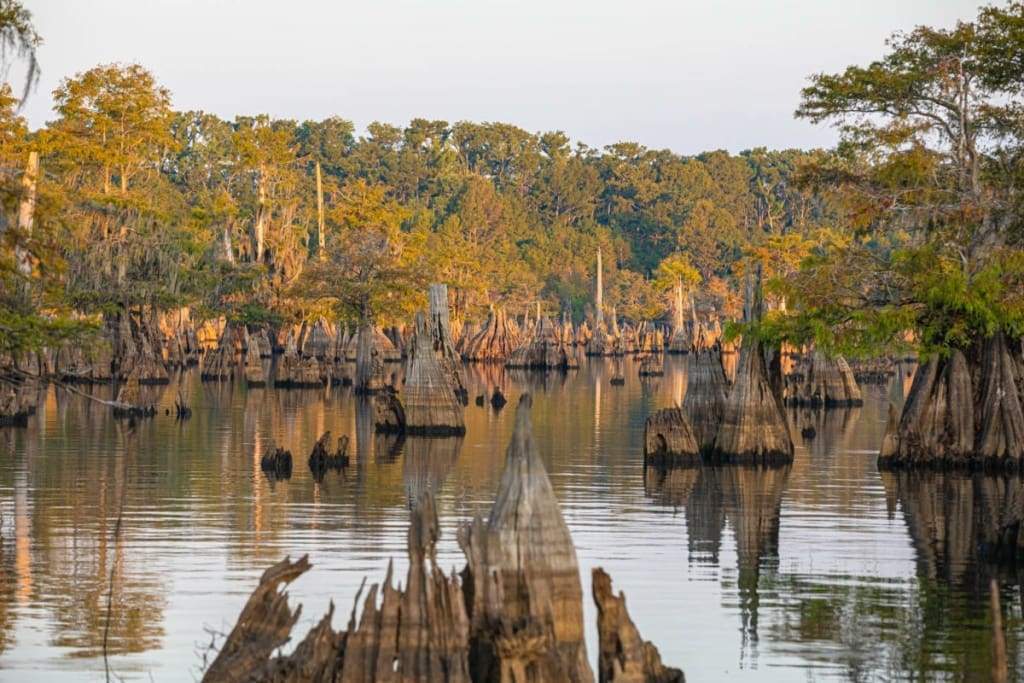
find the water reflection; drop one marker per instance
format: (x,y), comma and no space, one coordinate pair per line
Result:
(746,498)
(822,570)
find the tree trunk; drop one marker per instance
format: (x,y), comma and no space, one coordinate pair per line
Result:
(26,215)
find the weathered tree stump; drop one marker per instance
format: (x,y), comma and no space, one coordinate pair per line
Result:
(294,372)
(669,440)
(432,406)
(496,341)
(544,351)
(318,342)
(129,403)
(706,394)
(443,346)
(388,412)
(827,383)
(254,376)
(321,460)
(522,577)
(219,364)
(370,375)
(753,429)
(276,463)
(623,656)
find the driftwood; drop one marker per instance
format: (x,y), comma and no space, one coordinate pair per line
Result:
(669,440)
(706,394)
(321,460)
(753,429)
(514,616)
(276,463)
(544,351)
(496,341)
(623,656)
(432,406)
(828,383)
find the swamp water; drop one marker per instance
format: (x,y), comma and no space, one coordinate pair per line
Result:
(823,570)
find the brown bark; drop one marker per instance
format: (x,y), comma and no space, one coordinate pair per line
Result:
(219,363)
(522,577)
(496,341)
(544,351)
(254,376)
(753,429)
(431,404)
(294,372)
(828,383)
(669,440)
(623,656)
(706,394)
(443,345)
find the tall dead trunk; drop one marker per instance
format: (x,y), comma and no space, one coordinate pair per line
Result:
(320,245)
(599,296)
(26,215)
(431,406)
(444,346)
(260,226)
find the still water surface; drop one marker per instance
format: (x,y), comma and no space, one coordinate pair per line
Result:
(824,570)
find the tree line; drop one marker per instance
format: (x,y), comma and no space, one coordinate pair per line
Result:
(911,223)
(262,219)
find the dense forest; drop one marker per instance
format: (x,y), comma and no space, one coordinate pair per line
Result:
(260,219)
(908,229)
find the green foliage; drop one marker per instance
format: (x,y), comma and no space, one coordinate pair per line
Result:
(928,173)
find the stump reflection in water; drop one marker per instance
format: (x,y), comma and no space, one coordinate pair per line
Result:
(515,616)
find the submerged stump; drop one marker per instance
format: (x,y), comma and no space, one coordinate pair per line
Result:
(669,441)
(544,351)
(706,393)
(828,383)
(513,615)
(753,429)
(432,404)
(496,341)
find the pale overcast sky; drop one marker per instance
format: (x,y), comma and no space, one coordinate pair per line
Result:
(688,75)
